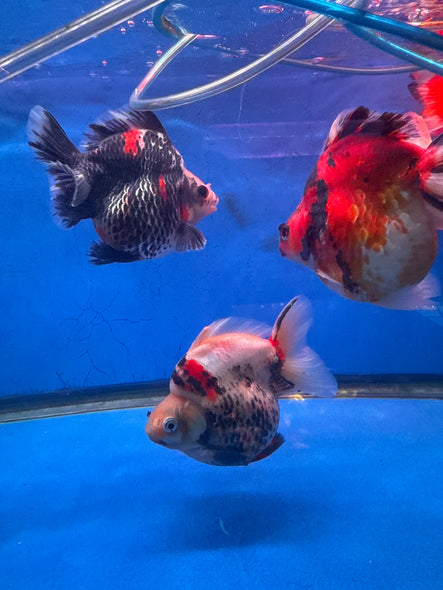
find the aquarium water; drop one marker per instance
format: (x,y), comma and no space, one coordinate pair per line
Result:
(353,499)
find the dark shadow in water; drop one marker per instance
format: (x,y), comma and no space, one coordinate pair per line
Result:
(232,520)
(148,521)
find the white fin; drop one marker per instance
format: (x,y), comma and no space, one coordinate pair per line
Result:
(346,123)
(434,314)
(416,297)
(229,326)
(302,366)
(416,130)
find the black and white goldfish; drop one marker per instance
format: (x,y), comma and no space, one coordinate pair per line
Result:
(131,181)
(223,407)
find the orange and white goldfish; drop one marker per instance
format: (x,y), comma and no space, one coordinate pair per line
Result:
(223,408)
(367,223)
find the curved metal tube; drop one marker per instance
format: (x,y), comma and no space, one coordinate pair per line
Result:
(228,82)
(74,33)
(397,50)
(280,53)
(363,18)
(176,30)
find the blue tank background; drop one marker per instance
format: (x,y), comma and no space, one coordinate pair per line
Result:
(68,323)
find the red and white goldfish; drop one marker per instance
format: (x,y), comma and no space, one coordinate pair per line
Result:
(223,408)
(131,181)
(367,223)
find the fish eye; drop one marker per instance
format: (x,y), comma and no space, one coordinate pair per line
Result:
(284,231)
(203,191)
(170,424)
(148,413)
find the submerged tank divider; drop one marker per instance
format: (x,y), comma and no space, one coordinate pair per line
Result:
(63,402)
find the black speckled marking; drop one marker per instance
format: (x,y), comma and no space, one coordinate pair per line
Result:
(433,201)
(319,218)
(177,379)
(348,283)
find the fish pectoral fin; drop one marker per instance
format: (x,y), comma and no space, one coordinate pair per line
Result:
(82,189)
(101,253)
(275,444)
(188,237)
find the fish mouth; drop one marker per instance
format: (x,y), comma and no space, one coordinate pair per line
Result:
(212,199)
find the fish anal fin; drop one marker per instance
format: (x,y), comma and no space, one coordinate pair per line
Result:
(418,296)
(275,444)
(101,253)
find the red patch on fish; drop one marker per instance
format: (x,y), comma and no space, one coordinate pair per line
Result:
(162,187)
(196,371)
(278,349)
(184,213)
(132,139)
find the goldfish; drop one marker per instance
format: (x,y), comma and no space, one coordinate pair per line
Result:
(130,180)
(223,407)
(368,219)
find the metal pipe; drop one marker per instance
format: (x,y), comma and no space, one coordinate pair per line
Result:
(228,82)
(74,33)
(144,395)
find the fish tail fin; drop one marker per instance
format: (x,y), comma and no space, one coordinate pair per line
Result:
(427,88)
(52,146)
(431,177)
(48,139)
(302,369)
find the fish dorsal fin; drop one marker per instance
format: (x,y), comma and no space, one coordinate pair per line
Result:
(229,326)
(121,122)
(406,126)
(347,122)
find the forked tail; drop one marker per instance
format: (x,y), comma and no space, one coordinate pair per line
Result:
(53,147)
